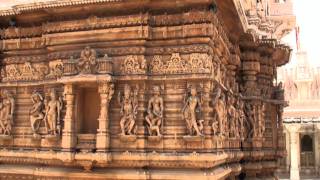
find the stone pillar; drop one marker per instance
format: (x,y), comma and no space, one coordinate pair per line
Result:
(294,150)
(68,134)
(106,91)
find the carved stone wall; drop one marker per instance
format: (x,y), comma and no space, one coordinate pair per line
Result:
(176,92)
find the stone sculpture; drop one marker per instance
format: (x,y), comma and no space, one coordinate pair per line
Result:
(232,117)
(7,107)
(191,108)
(219,110)
(88,61)
(36,112)
(155,113)
(53,114)
(250,119)
(128,111)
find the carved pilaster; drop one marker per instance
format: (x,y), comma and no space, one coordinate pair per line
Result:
(68,136)
(106,91)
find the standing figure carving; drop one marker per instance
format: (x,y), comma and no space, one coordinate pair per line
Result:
(232,117)
(261,120)
(88,61)
(53,114)
(36,112)
(128,111)
(191,108)
(250,119)
(7,107)
(219,110)
(241,119)
(155,113)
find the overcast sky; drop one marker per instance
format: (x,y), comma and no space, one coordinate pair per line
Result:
(308,19)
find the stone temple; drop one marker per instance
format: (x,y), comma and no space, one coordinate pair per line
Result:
(142,89)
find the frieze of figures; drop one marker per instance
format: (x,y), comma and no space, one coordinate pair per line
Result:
(46,111)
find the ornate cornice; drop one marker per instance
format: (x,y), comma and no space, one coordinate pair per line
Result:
(19,9)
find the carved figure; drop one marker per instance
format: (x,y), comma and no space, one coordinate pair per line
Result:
(219,110)
(36,112)
(261,120)
(88,61)
(190,109)
(128,111)
(250,119)
(241,119)
(232,118)
(155,113)
(53,113)
(7,107)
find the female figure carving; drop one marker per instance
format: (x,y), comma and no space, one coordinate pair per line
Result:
(6,113)
(36,112)
(190,109)
(155,112)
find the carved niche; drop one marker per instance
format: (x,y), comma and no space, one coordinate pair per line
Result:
(197,63)
(132,65)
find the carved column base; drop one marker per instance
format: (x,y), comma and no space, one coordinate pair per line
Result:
(6,140)
(102,142)
(128,138)
(154,139)
(257,142)
(68,141)
(234,143)
(193,138)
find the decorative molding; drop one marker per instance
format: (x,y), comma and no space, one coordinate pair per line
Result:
(197,63)
(133,65)
(24,72)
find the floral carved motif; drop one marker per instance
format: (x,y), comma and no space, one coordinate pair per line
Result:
(197,63)
(132,65)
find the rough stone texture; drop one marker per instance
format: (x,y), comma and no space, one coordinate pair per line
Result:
(219,113)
